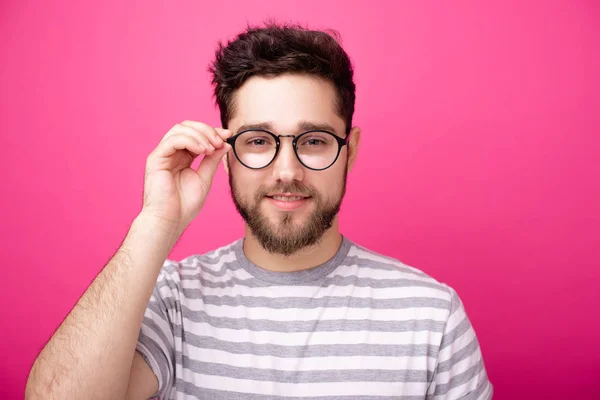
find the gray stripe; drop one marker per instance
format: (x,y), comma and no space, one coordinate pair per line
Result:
(282,303)
(156,306)
(150,324)
(481,388)
(455,333)
(164,364)
(214,254)
(167,281)
(303,277)
(204,262)
(383,266)
(169,284)
(190,389)
(225,249)
(317,350)
(380,255)
(460,355)
(456,303)
(169,301)
(320,376)
(313,325)
(459,379)
(326,282)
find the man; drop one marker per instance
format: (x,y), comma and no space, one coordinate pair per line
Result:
(292,310)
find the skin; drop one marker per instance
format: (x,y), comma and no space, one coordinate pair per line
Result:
(284,102)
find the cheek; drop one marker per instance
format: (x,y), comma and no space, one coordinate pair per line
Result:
(247,182)
(329,185)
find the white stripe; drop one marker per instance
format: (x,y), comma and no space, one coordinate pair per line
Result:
(192,275)
(310,338)
(458,368)
(455,320)
(308,363)
(366,255)
(488,390)
(169,277)
(196,262)
(314,292)
(152,335)
(355,270)
(302,389)
(462,390)
(224,249)
(320,313)
(163,325)
(350,270)
(459,343)
(166,293)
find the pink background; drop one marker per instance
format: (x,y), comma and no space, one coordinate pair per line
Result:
(478,165)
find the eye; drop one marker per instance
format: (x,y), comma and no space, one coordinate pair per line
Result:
(257,142)
(315,140)
(257,139)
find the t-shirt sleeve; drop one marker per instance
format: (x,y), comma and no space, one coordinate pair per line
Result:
(156,338)
(460,372)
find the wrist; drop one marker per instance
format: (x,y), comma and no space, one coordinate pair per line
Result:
(147,218)
(154,233)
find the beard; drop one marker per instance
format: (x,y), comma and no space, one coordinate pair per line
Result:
(285,236)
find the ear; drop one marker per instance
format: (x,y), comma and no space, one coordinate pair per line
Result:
(225,159)
(353,144)
(226,162)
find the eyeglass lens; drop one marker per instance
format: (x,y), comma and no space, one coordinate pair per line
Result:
(256,149)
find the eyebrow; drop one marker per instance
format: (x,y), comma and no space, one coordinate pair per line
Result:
(302,126)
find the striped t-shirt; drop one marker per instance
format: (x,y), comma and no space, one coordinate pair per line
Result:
(360,326)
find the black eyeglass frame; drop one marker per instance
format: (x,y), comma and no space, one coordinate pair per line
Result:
(341,143)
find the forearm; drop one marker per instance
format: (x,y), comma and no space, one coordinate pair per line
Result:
(90,354)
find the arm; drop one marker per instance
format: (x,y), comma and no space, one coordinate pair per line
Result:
(460,371)
(92,352)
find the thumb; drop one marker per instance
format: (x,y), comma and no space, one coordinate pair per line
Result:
(210,163)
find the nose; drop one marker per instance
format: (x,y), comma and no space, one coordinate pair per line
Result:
(286,167)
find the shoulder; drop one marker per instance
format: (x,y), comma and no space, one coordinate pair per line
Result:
(174,271)
(393,271)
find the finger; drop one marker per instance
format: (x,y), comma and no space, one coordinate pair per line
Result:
(209,164)
(224,133)
(174,130)
(208,131)
(199,136)
(178,141)
(202,140)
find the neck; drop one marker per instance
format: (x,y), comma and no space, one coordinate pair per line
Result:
(303,259)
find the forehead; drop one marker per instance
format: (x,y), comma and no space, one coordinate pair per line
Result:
(286,101)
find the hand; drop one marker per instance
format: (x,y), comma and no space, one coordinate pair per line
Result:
(173,191)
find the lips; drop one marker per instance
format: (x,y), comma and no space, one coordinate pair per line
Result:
(287,198)
(288,201)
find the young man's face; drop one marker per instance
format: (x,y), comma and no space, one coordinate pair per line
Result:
(285,102)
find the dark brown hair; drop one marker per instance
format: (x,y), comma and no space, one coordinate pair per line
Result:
(277,49)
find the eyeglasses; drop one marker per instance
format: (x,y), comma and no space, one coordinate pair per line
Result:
(315,149)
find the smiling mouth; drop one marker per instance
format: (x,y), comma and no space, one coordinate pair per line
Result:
(288,203)
(288,198)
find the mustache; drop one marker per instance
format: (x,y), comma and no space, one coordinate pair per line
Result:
(295,187)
